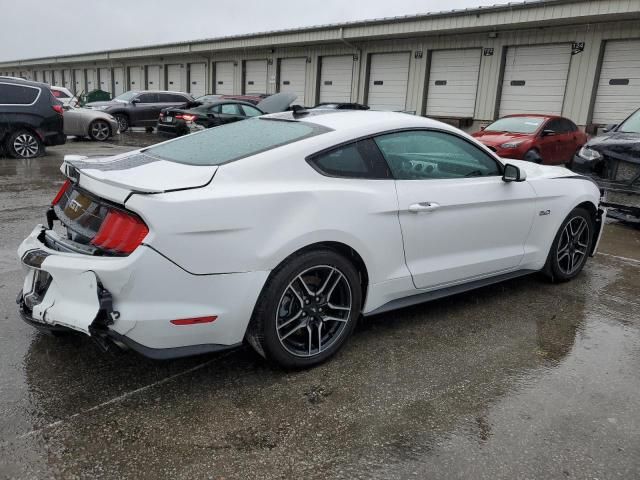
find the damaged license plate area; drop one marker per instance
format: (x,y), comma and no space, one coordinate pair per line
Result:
(53,295)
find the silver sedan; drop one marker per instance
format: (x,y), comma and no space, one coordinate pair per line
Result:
(82,122)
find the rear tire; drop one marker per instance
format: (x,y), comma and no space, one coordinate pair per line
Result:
(123,122)
(307,309)
(149,129)
(532,156)
(24,144)
(99,130)
(571,247)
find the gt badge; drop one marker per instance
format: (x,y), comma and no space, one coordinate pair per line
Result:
(544,212)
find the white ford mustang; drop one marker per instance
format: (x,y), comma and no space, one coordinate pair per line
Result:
(283,230)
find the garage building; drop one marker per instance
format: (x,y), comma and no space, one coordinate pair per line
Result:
(578,58)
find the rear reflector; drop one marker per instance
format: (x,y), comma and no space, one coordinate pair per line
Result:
(60,193)
(120,232)
(194,321)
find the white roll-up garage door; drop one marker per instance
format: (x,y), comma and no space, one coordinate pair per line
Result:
(174,78)
(197,79)
(105,79)
(535,79)
(618,91)
(79,86)
(92,79)
(224,78)
(255,76)
(153,78)
(293,77)
(453,83)
(135,78)
(67,80)
(118,81)
(336,78)
(388,80)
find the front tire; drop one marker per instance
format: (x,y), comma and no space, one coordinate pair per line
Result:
(24,144)
(99,130)
(307,310)
(571,246)
(532,156)
(123,122)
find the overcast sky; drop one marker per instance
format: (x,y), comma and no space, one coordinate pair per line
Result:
(39,28)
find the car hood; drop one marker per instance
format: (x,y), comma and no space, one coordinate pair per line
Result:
(618,146)
(116,178)
(108,103)
(498,138)
(536,170)
(277,103)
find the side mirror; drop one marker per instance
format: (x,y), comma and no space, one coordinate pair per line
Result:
(482,127)
(135,100)
(609,127)
(513,174)
(548,133)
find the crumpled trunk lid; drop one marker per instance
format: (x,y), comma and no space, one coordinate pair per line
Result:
(116,178)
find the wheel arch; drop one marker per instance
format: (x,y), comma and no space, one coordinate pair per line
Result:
(343,249)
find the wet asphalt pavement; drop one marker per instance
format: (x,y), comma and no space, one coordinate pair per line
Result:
(518,380)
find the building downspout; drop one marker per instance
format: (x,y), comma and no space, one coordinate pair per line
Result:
(359,53)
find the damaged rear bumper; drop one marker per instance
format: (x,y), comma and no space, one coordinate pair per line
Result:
(129,301)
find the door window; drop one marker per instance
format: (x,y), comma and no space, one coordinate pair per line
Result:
(429,154)
(148,98)
(229,109)
(554,125)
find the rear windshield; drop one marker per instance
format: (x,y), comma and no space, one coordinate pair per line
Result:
(234,141)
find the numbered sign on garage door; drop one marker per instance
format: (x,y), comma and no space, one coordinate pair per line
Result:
(618,91)
(197,79)
(453,83)
(153,78)
(105,79)
(135,78)
(79,84)
(388,80)
(92,79)
(535,79)
(293,77)
(336,78)
(174,78)
(224,78)
(255,76)
(118,81)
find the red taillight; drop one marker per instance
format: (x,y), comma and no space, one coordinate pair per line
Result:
(186,117)
(120,232)
(58,109)
(60,193)
(194,321)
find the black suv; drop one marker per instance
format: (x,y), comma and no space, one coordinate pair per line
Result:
(30,118)
(140,108)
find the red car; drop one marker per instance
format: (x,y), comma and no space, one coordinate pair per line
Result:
(547,139)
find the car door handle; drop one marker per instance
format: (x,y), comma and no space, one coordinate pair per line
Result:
(423,207)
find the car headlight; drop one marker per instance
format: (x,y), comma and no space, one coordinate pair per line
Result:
(100,107)
(589,154)
(513,144)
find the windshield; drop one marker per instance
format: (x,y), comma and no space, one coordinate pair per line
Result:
(515,125)
(234,141)
(126,96)
(631,124)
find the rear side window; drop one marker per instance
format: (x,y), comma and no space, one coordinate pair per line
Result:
(229,109)
(234,141)
(250,111)
(357,160)
(12,94)
(171,98)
